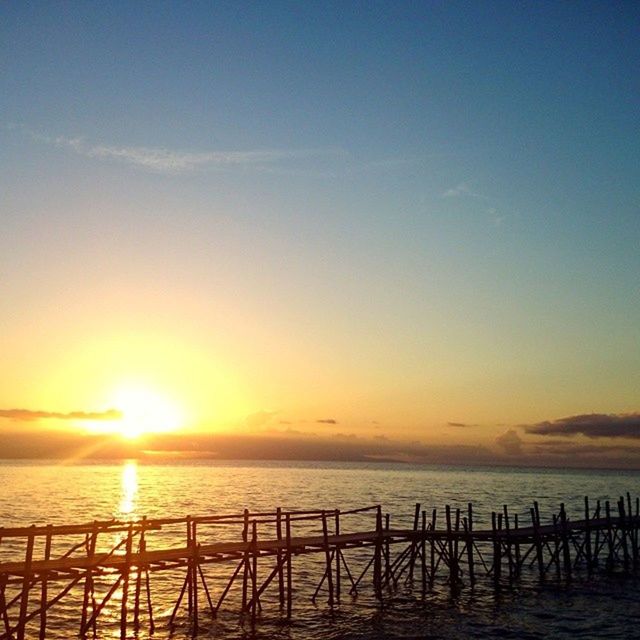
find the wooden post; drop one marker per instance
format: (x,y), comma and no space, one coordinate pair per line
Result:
(596,546)
(338,552)
(414,541)
(26,582)
(279,557)
(125,584)
(611,557)
(43,593)
(88,581)
(432,559)
(377,558)
(289,586)
(564,535)
(456,543)
(508,541)
(536,507)
(3,605)
(517,544)
(622,528)
(537,542)
(587,535)
(189,569)
(136,601)
(254,572)
(637,526)
(327,556)
(633,528)
(152,626)
(423,555)
(497,557)
(195,563)
(245,566)
(387,551)
(469,527)
(556,546)
(452,567)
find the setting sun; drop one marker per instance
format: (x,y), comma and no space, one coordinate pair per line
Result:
(145,411)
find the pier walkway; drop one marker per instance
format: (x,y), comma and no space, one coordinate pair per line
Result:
(41,565)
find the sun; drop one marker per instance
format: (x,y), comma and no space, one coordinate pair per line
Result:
(145,411)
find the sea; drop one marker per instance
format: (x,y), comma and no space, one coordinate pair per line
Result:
(41,492)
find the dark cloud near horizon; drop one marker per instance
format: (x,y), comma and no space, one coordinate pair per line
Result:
(327,421)
(511,442)
(460,424)
(291,446)
(64,445)
(568,448)
(27,415)
(593,425)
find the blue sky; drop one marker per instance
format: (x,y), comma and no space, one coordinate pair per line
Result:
(429,210)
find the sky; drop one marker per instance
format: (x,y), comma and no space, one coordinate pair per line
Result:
(381,229)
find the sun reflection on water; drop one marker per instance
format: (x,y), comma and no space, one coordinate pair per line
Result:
(129,491)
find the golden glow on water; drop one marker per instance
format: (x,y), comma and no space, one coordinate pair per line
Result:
(129,491)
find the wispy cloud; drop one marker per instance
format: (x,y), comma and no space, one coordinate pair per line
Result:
(26,415)
(327,421)
(163,160)
(593,425)
(464,189)
(259,418)
(497,217)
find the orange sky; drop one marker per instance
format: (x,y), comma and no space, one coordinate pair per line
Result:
(413,222)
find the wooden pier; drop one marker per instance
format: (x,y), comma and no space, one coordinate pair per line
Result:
(356,549)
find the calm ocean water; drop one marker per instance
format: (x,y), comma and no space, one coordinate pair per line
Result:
(605,607)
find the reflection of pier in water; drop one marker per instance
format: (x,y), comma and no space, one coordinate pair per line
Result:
(260,551)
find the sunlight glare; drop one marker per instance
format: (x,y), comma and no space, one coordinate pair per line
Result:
(145,411)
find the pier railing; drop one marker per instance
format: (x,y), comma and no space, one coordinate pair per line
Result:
(256,555)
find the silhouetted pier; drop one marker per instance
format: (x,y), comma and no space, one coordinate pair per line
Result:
(112,563)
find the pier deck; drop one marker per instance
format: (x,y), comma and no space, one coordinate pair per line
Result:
(128,553)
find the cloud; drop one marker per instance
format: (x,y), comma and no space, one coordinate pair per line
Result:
(511,442)
(460,424)
(463,190)
(593,425)
(26,415)
(286,431)
(163,160)
(327,421)
(259,418)
(564,448)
